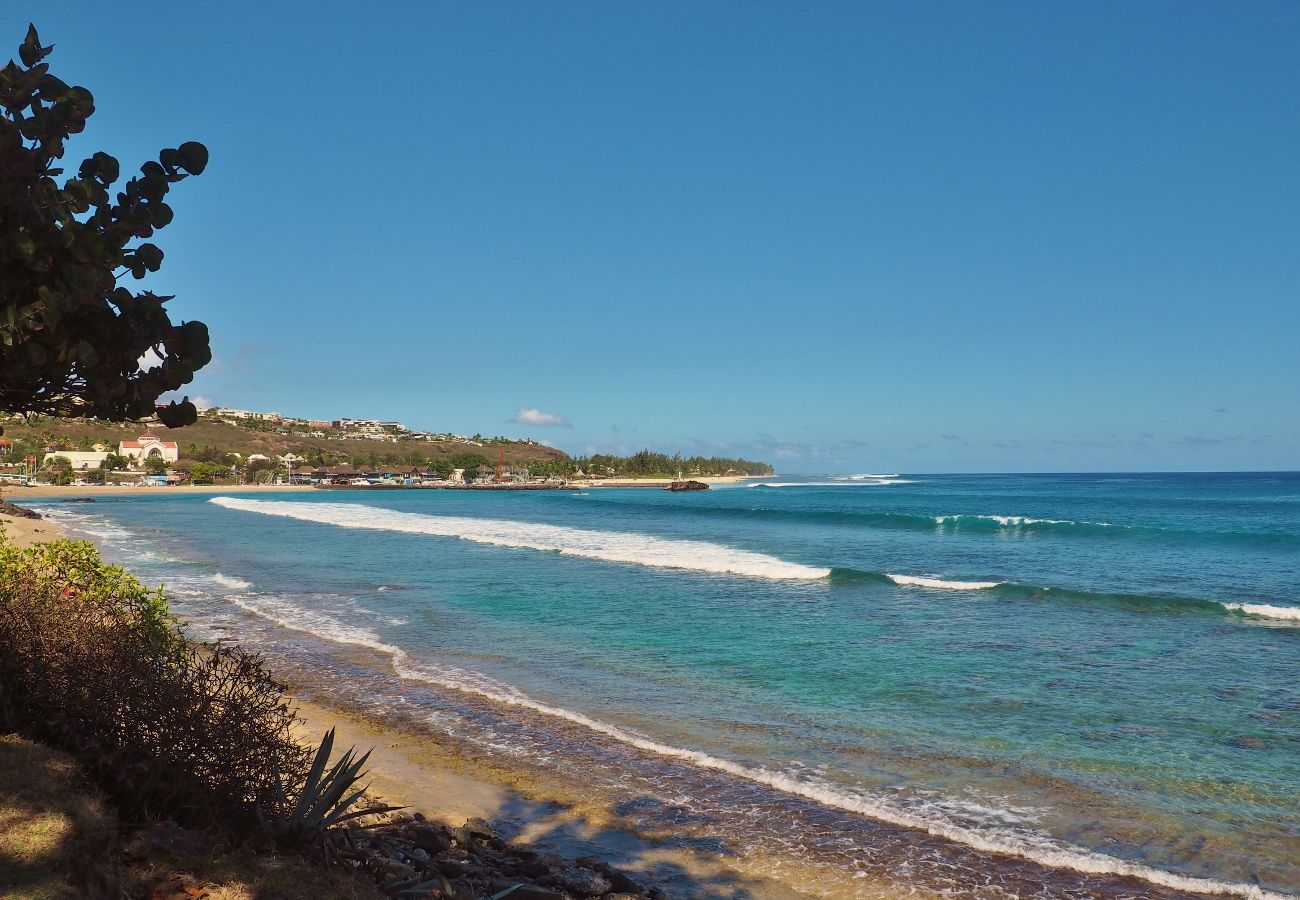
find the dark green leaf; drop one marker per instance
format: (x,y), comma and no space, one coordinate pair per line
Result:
(194,157)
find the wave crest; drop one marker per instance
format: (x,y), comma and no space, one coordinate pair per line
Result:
(621,547)
(932,819)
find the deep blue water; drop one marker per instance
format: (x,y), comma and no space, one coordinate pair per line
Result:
(1079,670)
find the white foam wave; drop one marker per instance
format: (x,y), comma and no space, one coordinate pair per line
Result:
(620,547)
(1015,521)
(942,584)
(1264,611)
(866,482)
(237,584)
(930,818)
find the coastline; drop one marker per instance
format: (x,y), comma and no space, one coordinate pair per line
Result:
(444,780)
(423,773)
(664,482)
(22,532)
(436,773)
(46,491)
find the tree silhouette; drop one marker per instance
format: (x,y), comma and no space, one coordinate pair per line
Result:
(71,337)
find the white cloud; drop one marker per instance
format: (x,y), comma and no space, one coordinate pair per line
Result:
(539,419)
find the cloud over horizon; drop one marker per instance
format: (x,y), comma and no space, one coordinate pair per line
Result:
(539,419)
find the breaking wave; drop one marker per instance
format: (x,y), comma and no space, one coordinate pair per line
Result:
(620,547)
(940,583)
(699,556)
(931,819)
(237,584)
(1265,611)
(851,481)
(1144,603)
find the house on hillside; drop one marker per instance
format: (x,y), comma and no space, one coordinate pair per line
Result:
(148,446)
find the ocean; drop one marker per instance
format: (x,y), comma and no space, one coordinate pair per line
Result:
(971,685)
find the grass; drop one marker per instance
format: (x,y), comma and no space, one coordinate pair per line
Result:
(59,840)
(56,834)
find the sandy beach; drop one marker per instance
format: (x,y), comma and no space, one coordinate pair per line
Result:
(23,532)
(424,774)
(18,494)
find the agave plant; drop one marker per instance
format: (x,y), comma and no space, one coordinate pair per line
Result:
(322,803)
(413,889)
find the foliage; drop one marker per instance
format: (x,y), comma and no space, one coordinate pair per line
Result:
(57,470)
(650,463)
(155,465)
(208,473)
(471,461)
(323,800)
(91,664)
(70,337)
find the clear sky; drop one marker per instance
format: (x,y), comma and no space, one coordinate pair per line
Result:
(838,237)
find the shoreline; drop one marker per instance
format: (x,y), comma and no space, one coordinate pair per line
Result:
(423,773)
(46,491)
(420,770)
(663,482)
(443,778)
(22,532)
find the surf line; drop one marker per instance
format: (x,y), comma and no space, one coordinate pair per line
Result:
(1061,857)
(609,546)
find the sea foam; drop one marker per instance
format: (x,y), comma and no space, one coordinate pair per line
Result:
(865,481)
(1264,611)
(940,583)
(235,584)
(931,818)
(621,547)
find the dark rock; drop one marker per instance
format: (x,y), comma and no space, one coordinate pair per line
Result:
(624,885)
(480,828)
(451,868)
(529,892)
(18,512)
(584,881)
(532,868)
(431,840)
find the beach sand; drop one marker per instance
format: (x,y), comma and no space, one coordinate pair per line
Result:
(443,781)
(45,491)
(23,532)
(445,784)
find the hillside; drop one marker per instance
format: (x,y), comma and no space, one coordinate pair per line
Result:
(212,438)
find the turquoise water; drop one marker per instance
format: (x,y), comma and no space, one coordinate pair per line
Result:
(1071,685)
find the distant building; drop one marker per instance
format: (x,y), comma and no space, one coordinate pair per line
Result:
(80,459)
(147,446)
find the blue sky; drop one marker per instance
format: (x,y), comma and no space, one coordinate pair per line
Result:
(838,237)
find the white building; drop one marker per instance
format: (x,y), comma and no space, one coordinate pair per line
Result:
(80,459)
(146,446)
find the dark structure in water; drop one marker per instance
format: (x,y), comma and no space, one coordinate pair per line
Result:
(692,485)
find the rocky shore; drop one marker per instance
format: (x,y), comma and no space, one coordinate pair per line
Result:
(405,852)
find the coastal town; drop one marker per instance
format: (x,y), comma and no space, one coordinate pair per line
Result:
(229,446)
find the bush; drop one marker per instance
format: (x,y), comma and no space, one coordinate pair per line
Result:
(91,663)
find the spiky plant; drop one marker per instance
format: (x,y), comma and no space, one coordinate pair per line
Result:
(324,800)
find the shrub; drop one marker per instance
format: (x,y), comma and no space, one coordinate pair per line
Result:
(91,663)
